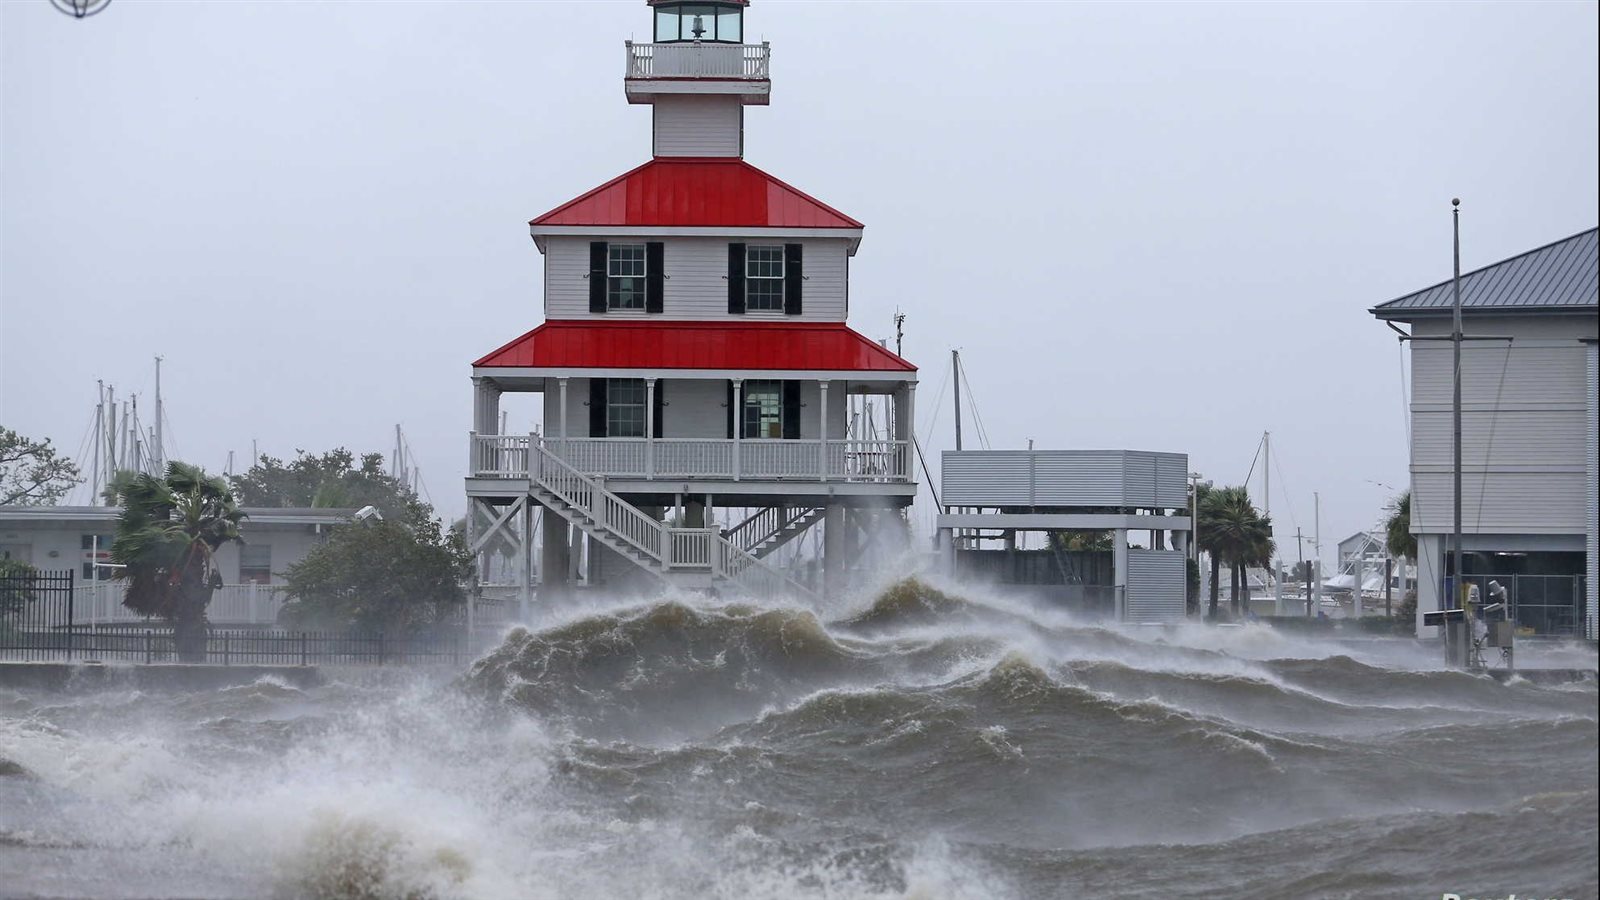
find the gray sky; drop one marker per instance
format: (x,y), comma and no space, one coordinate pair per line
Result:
(1146,225)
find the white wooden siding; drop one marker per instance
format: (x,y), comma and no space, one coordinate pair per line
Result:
(696,409)
(697,280)
(1592,490)
(698,125)
(1525,436)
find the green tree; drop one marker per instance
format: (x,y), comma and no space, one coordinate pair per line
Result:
(332,480)
(31,474)
(394,576)
(1397,536)
(166,540)
(16,587)
(1232,531)
(1082,540)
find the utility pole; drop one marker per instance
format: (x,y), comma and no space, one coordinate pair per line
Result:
(1316,545)
(1305,572)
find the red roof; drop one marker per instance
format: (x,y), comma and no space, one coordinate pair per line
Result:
(687,192)
(788,346)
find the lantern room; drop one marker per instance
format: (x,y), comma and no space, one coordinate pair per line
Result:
(719,22)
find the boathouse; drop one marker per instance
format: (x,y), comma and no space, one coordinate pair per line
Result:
(1528,447)
(694,363)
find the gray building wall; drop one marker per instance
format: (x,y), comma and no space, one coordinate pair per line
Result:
(1528,474)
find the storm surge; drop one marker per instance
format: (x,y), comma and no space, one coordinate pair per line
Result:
(918,743)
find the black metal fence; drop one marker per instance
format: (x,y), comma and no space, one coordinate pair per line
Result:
(36,623)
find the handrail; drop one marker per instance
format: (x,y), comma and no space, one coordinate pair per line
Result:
(607,509)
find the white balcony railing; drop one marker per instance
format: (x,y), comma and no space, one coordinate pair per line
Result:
(695,60)
(506,456)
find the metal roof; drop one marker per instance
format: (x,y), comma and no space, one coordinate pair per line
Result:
(1560,277)
(774,346)
(688,192)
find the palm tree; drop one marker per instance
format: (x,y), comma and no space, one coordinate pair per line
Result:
(1398,539)
(166,542)
(1233,532)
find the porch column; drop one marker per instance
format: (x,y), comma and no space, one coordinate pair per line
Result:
(905,424)
(649,428)
(1119,572)
(738,422)
(561,426)
(822,428)
(485,405)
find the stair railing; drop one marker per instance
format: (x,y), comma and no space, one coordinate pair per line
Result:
(610,512)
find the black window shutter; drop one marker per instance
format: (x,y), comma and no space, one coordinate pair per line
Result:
(731,411)
(597,407)
(654,278)
(793,274)
(660,405)
(736,280)
(791,410)
(597,276)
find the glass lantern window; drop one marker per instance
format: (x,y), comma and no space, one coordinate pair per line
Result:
(716,22)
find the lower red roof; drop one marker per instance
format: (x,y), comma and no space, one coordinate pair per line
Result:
(788,346)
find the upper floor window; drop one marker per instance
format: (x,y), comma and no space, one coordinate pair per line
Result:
(625,402)
(625,276)
(720,22)
(763,277)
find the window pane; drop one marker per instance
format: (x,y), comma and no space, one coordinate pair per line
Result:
(625,282)
(728,25)
(763,409)
(763,277)
(666,24)
(625,407)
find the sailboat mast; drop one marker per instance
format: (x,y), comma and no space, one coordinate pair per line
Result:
(158,453)
(955,374)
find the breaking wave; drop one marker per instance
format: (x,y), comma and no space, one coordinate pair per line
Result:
(927,743)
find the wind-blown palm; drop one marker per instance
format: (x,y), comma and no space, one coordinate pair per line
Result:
(1232,531)
(166,540)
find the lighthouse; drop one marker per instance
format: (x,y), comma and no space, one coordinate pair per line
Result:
(694,361)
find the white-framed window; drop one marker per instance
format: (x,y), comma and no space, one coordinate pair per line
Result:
(763,409)
(763,277)
(255,564)
(625,272)
(625,407)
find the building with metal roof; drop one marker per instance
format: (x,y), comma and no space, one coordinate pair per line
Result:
(1563,276)
(1530,487)
(702,395)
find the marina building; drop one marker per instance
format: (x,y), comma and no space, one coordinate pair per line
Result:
(1529,426)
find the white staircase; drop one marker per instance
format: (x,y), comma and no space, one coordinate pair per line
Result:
(686,557)
(772,527)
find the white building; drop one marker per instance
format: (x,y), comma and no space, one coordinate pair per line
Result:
(77,538)
(1529,485)
(694,365)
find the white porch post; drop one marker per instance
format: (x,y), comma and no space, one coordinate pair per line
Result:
(561,426)
(822,429)
(486,406)
(649,428)
(738,423)
(905,424)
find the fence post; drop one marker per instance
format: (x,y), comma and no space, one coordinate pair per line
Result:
(303,657)
(149,646)
(227,649)
(72,591)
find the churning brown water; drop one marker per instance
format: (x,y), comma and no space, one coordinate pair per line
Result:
(919,745)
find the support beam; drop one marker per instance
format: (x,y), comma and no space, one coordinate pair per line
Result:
(833,549)
(1119,573)
(555,557)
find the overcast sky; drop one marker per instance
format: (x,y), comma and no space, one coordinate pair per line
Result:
(1145,225)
